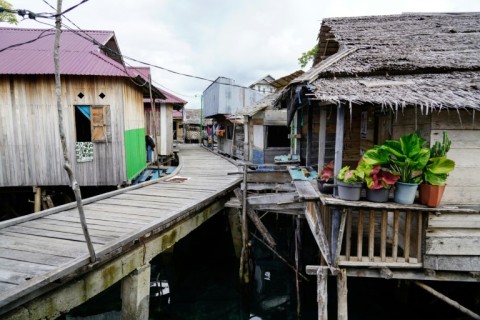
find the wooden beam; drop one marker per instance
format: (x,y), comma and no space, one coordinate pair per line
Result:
(322,138)
(305,190)
(409,274)
(282,187)
(322,293)
(309,135)
(342,313)
(339,140)
(269,176)
(256,221)
(273,198)
(449,301)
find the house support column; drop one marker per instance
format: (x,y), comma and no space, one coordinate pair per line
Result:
(342,295)
(235,223)
(136,294)
(322,138)
(322,295)
(37,203)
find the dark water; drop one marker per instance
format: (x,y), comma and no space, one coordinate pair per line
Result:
(202,272)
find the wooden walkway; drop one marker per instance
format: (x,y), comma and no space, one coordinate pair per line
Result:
(41,248)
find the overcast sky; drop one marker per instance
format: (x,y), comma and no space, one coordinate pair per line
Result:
(242,40)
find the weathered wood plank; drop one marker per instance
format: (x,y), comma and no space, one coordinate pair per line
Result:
(273,198)
(305,190)
(453,246)
(24,267)
(92,224)
(13,277)
(50,234)
(35,257)
(452,263)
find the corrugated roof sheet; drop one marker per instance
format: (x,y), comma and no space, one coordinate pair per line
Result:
(30,51)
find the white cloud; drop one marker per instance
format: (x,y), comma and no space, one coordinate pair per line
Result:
(244,40)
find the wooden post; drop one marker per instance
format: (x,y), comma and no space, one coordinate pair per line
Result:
(342,294)
(244,275)
(298,246)
(446,299)
(309,136)
(246,139)
(37,203)
(322,138)
(136,294)
(322,295)
(339,141)
(61,128)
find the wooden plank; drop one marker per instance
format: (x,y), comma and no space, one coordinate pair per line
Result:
(278,187)
(408,224)
(360,234)
(13,277)
(348,236)
(395,234)
(371,235)
(273,198)
(268,176)
(92,224)
(74,229)
(24,266)
(305,190)
(35,257)
(453,246)
(452,263)
(58,234)
(383,236)
(406,274)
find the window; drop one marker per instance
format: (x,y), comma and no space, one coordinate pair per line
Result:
(277,136)
(91,123)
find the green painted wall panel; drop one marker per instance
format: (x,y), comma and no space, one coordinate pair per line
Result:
(135,152)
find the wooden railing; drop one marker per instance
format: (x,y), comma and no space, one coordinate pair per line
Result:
(368,234)
(382,237)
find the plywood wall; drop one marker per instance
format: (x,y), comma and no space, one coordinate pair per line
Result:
(31,153)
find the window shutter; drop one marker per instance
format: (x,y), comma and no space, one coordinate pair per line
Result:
(98,124)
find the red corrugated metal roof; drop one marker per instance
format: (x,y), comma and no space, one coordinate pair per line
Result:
(78,54)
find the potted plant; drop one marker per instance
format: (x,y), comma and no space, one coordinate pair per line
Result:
(349,183)
(325,178)
(406,157)
(379,181)
(435,173)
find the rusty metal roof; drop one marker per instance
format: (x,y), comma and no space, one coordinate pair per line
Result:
(30,51)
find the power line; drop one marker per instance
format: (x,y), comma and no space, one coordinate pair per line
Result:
(41,35)
(87,37)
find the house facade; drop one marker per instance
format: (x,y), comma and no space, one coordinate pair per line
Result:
(102,104)
(264,85)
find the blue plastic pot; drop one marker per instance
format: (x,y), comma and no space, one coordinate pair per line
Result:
(405,192)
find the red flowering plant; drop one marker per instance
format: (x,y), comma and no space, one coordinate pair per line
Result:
(327,172)
(378,178)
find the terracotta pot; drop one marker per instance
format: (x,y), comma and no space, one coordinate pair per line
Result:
(431,196)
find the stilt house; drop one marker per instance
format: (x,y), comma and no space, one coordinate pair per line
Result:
(378,78)
(102,105)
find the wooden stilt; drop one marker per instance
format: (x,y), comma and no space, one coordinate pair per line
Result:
(244,274)
(37,203)
(298,246)
(342,294)
(322,295)
(446,299)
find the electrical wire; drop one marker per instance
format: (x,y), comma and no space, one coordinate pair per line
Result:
(41,35)
(87,37)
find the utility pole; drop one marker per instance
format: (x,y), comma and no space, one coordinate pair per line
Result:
(67,166)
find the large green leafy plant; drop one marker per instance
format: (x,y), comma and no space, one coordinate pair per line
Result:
(438,166)
(405,157)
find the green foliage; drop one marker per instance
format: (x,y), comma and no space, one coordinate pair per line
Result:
(307,56)
(7,16)
(348,175)
(438,166)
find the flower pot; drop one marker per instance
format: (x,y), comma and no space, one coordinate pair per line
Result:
(430,195)
(349,191)
(405,192)
(325,187)
(378,195)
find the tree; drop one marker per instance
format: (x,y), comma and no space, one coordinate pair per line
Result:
(307,56)
(6,16)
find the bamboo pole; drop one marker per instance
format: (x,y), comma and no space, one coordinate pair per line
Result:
(67,166)
(446,299)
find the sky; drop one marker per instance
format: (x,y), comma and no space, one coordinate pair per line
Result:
(244,40)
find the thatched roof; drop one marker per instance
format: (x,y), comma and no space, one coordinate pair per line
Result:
(267,102)
(435,57)
(456,89)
